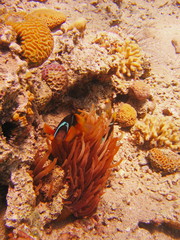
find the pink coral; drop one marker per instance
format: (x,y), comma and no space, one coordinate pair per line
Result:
(56,77)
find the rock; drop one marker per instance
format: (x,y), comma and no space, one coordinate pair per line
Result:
(176,43)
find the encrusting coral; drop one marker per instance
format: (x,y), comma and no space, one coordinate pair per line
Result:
(84,146)
(79,24)
(51,17)
(126,115)
(33,31)
(164,160)
(157,132)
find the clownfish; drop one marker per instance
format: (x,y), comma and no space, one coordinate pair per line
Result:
(64,126)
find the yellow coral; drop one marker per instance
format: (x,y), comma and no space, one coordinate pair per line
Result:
(157,132)
(127,55)
(126,116)
(79,24)
(164,160)
(36,40)
(51,17)
(21,119)
(131,58)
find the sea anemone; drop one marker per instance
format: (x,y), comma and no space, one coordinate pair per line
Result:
(84,147)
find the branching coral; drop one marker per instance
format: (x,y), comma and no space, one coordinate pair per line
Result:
(157,132)
(130,58)
(127,55)
(84,146)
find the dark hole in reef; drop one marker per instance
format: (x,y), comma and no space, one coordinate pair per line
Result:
(7,129)
(164,227)
(121,98)
(3,193)
(78,91)
(18,39)
(3,206)
(4,48)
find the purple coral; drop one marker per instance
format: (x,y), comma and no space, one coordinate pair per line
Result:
(55,75)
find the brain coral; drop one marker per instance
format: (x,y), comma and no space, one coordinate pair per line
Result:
(33,30)
(157,132)
(51,17)
(126,116)
(164,160)
(36,40)
(55,76)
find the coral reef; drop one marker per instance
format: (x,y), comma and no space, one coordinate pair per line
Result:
(7,161)
(85,148)
(127,55)
(23,195)
(139,90)
(126,115)
(9,90)
(157,132)
(16,104)
(164,160)
(7,35)
(43,97)
(97,63)
(50,17)
(27,204)
(55,75)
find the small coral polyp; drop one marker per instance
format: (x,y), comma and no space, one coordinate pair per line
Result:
(157,132)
